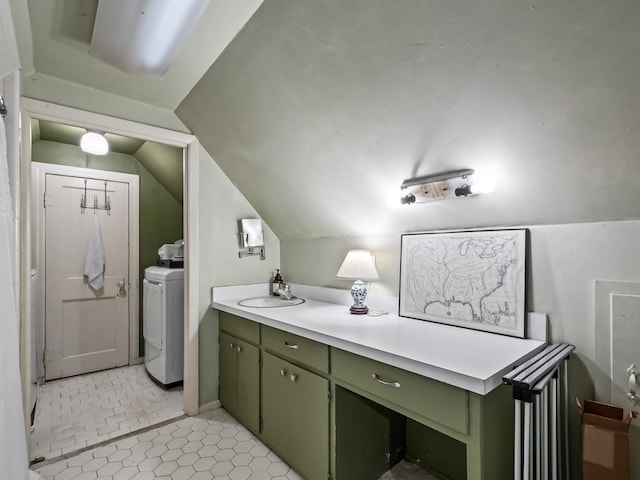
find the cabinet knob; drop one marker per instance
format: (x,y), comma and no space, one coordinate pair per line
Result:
(231,345)
(239,348)
(283,372)
(293,377)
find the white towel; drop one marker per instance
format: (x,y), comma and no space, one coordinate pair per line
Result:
(94,257)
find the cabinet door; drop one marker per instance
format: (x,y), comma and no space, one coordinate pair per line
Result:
(295,415)
(248,384)
(228,372)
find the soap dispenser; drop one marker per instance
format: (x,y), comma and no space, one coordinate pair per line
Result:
(275,283)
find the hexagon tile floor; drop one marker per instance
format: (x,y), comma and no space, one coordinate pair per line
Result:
(77,412)
(211,445)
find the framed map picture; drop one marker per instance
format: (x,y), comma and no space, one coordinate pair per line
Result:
(472,279)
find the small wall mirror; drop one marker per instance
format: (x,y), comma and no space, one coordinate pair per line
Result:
(250,232)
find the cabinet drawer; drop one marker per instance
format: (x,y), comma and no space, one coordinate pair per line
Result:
(296,348)
(437,401)
(240,327)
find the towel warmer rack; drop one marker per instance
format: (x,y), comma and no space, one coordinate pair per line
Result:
(83,200)
(536,387)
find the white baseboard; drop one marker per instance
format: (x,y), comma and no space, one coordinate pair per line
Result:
(136,361)
(209,406)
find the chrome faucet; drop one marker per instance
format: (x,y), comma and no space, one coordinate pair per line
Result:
(285,291)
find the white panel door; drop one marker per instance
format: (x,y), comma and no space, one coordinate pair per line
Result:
(625,343)
(617,335)
(85,330)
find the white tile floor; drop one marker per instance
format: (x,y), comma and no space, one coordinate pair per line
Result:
(81,411)
(407,471)
(211,445)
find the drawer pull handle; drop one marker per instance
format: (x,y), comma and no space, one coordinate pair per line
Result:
(293,377)
(384,382)
(292,346)
(283,372)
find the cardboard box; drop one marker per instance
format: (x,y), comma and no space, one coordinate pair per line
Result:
(605,441)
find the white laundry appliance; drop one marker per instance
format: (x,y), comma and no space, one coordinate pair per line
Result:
(163,324)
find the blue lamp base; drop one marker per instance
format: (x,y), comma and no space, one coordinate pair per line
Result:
(359,295)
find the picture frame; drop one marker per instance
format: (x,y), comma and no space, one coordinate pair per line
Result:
(472,279)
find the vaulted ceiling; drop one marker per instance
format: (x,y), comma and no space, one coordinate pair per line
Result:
(54,41)
(55,36)
(318,109)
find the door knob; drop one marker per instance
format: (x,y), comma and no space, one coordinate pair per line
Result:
(633,384)
(121,288)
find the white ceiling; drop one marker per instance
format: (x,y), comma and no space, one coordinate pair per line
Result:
(319,109)
(54,39)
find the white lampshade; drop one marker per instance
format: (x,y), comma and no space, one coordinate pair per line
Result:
(95,143)
(143,36)
(358,265)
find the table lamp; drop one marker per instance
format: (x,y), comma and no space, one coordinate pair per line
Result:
(358,265)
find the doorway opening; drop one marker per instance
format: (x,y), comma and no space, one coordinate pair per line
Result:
(155,139)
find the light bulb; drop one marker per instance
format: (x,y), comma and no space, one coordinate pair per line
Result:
(95,143)
(483,184)
(393,200)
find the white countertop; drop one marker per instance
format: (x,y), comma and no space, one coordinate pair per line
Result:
(465,358)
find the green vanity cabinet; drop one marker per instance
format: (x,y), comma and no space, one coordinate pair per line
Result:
(460,434)
(295,416)
(240,380)
(330,413)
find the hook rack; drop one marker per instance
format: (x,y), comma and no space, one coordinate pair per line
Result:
(96,206)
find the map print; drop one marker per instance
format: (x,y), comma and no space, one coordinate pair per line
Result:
(470,279)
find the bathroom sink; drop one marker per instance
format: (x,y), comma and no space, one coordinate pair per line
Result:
(270,302)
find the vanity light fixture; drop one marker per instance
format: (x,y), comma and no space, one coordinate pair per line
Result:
(94,143)
(358,265)
(457,183)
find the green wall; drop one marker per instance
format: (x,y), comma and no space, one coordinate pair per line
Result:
(165,163)
(160,213)
(221,205)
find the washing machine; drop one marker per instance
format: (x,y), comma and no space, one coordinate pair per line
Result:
(163,324)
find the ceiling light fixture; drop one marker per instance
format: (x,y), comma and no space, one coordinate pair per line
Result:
(94,143)
(458,183)
(143,36)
